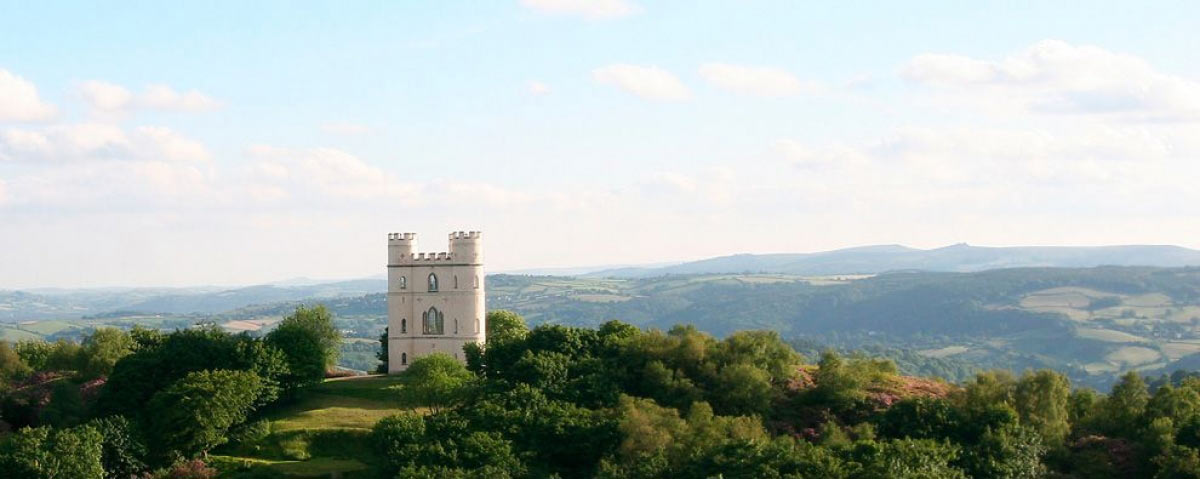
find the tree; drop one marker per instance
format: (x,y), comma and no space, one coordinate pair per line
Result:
(1041,401)
(1122,410)
(122,452)
(317,321)
(743,389)
(193,415)
(101,351)
(503,325)
(305,356)
(11,365)
(65,408)
(46,453)
(436,380)
(382,355)
(310,342)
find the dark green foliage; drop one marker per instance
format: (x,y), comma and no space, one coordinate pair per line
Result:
(123,453)
(193,415)
(382,354)
(161,361)
(310,343)
(46,453)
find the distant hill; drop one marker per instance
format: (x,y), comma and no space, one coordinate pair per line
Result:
(955,258)
(71,304)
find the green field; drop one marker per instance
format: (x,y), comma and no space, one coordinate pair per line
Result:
(326,431)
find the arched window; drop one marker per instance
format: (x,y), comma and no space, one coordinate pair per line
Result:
(455,325)
(455,281)
(403,326)
(403,359)
(476,325)
(432,322)
(432,283)
(476,281)
(403,282)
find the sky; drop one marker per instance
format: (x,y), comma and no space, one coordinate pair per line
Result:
(229,143)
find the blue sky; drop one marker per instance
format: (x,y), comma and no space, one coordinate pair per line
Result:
(152,143)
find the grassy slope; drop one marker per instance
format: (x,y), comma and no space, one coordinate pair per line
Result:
(326,430)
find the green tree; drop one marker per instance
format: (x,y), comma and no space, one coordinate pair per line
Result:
(123,454)
(101,351)
(503,325)
(907,459)
(46,453)
(193,415)
(382,354)
(743,389)
(65,408)
(1007,452)
(11,365)
(1123,408)
(435,380)
(310,343)
(317,321)
(1041,399)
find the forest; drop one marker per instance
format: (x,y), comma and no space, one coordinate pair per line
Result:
(614,401)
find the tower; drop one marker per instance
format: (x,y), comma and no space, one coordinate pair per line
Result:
(435,301)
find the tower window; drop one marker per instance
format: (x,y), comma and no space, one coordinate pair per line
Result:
(476,281)
(403,282)
(433,286)
(432,322)
(456,326)
(476,325)
(456,282)
(403,326)
(403,359)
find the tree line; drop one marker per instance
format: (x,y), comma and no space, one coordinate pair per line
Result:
(149,404)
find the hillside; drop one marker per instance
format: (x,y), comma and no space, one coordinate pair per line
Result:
(955,258)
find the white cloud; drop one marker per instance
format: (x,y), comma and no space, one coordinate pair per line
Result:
(593,9)
(347,129)
(760,81)
(112,98)
(19,100)
(162,97)
(1057,77)
(105,96)
(96,142)
(648,82)
(538,88)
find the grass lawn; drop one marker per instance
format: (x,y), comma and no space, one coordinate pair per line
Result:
(343,403)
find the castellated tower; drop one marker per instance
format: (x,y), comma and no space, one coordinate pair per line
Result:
(435,300)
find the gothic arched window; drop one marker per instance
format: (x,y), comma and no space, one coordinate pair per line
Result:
(476,325)
(403,282)
(403,326)
(476,281)
(455,325)
(456,282)
(432,322)
(432,283)
(403,359)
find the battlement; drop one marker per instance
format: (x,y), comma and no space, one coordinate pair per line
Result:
(465,247)
(465,235)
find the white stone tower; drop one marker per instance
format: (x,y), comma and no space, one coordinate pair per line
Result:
(435,300)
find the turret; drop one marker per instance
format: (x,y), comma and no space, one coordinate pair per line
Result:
(466,247)
(401,246)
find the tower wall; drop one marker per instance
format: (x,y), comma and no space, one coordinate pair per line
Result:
(459,298)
